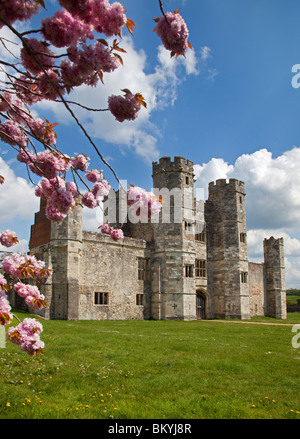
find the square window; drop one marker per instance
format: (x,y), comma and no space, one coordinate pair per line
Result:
(200,268)
(139,299)
(189,270)
(100,298)
(142,269)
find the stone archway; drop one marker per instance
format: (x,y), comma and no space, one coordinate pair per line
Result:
(201,305)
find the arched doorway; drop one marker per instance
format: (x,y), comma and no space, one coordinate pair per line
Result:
(200,305)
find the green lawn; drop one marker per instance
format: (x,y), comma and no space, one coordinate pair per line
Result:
(154,369)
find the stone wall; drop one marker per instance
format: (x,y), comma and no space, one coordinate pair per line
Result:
(257,290)
(112,267)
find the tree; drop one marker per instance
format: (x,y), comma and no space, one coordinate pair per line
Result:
(43,72)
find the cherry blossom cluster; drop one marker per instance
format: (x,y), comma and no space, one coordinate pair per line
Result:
(31,294)
(27,335)
(24,266)
(14,10)
(19,266)
(145,203)
(127,107)
(173,31)
(115,234)
(5,308)
(8,238)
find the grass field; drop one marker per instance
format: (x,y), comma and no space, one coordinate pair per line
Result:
(154,370)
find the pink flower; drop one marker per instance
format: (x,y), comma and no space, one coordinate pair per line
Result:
(117,234)
(46,163)
(89,200)
(62,200)
(8,238)
(40,132)
(24,87)
(14,10)
(106,229)
(48,85)
(93,175)
(173,32)
(27,335)
(64,29)
(80,162)
(111,19)
(37,56)
(125,108)
(5,308)
(82,8)
(101,189)
(11,133)
(6,101)
(53,214)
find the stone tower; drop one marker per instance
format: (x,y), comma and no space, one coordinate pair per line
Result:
(172,266)
(275,278)
(227,256)
(59,245)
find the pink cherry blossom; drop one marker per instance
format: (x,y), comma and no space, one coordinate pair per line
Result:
(6,101)
(117,234)
(89,200)
(49,86)
(173,32)
(63,29)
(26,91)
(53,214)
(49,164)
(109,19)
(8,238)
(27,335)
(35,56)
(101,189)
(81,8)
(80,162)
(106,229)
(5,308)
(11,133)
(93,175)
(124,108)
(14,10)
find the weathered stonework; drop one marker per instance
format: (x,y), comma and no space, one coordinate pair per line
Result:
(165,269)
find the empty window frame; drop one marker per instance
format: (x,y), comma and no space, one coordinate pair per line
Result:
(139,299)
(201,236)
(101,298)
(142,269)
(189,270)
(243,237)
(244,277)
(200,268)
(188,227)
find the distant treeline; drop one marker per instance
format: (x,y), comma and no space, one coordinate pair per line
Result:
(293,292)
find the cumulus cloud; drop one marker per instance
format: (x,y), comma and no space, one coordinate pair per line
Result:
(159,89)
(272,186)
(17,198)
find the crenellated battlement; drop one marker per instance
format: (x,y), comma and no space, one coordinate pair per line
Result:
(223,184)
(180,164)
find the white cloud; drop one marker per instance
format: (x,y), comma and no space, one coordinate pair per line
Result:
(159,89)
(17,198)
(21,247)
(272,186)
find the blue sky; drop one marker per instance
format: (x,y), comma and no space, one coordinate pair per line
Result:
(229,106)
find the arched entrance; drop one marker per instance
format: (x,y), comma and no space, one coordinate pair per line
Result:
(200,305)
